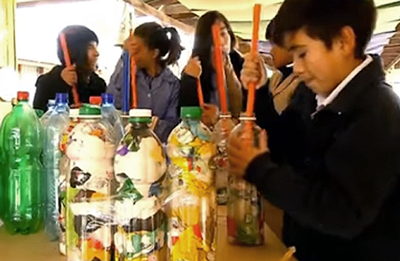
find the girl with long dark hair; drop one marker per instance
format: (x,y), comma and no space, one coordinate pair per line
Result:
(201,66)
(153,48)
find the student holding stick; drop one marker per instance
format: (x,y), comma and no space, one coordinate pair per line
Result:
(334,169)
(153,49)
(81,44)
(201,66)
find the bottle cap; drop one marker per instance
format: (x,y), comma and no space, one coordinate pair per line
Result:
(191,112)
(140,113)
(61,98)
(95,100)
(107,98)
(22,96)
(89,110)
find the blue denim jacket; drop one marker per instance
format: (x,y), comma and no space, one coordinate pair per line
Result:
(160,94)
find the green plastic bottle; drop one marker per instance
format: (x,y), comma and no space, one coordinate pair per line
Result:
(21,196)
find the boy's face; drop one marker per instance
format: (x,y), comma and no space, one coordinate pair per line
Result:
(281,57)
(93,55)
(320,68)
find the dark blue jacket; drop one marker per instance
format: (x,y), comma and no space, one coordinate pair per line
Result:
(335,173)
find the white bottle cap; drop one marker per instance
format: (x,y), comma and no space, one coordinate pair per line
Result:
(140,113)
(73,113)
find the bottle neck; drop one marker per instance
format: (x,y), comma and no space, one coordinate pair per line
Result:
(191,119)
(140,125)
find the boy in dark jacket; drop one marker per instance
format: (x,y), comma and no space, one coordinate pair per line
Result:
(332,162)
(82,46)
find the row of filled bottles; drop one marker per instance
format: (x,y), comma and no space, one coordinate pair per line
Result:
(107,189)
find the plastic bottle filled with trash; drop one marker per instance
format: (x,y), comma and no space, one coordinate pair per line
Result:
(54,127)
(221,133)
(141,171)
(245,217)
(90,149)
(192,207)
(21,194)
(50,108)
(111,115)
(64,167)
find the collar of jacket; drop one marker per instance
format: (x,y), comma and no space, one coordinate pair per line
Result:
(165,75)
(370,77)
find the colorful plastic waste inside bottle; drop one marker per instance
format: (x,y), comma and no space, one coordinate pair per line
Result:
(245,218)
(192,208)
(90,149)
(64,166)
(141,172)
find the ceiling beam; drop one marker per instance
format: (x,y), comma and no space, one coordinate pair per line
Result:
(165,19)
(183,16)
(158,3)
(175,9)
(33,3)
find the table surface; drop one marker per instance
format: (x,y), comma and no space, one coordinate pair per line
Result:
(37,248)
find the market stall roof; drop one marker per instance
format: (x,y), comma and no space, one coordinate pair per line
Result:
(239,13)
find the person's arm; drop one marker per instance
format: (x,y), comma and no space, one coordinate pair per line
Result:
(344,197)
(171,117)
(188,91)
(116,83)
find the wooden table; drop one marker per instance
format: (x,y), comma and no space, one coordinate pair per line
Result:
(37,248)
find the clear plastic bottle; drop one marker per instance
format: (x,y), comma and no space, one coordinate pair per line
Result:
(140,169)
(90,149)
(221,133)
(245,217)
(192,207)
(53,129)
(64,167)
(50,109)
(22,195)
(111,115)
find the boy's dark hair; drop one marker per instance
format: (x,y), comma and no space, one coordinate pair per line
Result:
(78,38)
(324,19)
(166,40)
(269,32)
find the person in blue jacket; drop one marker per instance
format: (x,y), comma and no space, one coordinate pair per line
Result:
(330,160)
(153,48)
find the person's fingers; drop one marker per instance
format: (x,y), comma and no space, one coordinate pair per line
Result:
(263,140)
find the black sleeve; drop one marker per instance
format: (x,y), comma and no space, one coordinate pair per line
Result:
(188,93)
(46,88)
(360,171)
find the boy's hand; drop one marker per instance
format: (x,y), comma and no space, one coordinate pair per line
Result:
(241,154)
(69,76)
(253,71)
(193,67)
(210,115)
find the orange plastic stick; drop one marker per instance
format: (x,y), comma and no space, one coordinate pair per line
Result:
(133,79)
(254,49)
(133,83)
(219,68)
(200,93)
(68,63)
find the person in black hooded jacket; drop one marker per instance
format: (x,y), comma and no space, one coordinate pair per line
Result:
(337,171)
(82,46)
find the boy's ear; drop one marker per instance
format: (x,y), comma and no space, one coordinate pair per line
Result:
(156,53)
(347,40)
